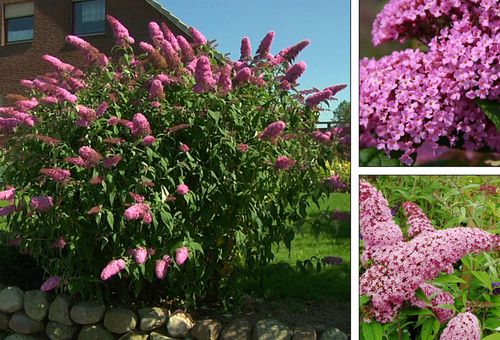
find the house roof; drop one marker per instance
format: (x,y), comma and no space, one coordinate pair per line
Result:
(172,18)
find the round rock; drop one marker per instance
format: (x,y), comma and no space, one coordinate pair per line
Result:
(158,336)
(21,337)
(57,331)
(36,304)
(95,332)
(4,322)
(333,334)
(87,312)
(120,320)
(21,323)
(270,329)
(179,324)
(304,333)
(134,336)
(59,311)
(11,300)
(206,329)
(152,318)
(237,329)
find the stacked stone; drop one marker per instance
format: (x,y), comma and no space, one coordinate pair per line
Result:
(33,315)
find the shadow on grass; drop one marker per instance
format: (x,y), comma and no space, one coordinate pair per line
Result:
(283,281)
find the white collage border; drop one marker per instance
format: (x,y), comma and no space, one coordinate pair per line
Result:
(357,171)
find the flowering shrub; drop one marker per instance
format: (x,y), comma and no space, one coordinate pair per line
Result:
(173,168)
(446,95)
(423,274)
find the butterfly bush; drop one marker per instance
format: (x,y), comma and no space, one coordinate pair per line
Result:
(413,97)
(396,267)
(164,165)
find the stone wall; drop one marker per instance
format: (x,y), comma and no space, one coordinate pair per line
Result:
(37,315)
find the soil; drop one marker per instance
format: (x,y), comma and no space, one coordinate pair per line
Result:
(319,314)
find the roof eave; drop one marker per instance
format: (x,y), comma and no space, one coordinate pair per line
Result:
(172,18)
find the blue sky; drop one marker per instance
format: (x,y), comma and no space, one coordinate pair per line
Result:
(325,22)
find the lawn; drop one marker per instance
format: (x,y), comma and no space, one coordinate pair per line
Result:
(319,238)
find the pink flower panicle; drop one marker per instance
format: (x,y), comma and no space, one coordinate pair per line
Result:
(111,161)
(41,203)
(59,243)
(78,161)
(4,211)
(246,49)
(284,163)
(169,36)
(203,75)
(337,184)
(171,55)
(156,90)
(92,54)
(295,71)
(265,45)
(56,174)
(140,125)
(290,53)
(184,148)
(335,88)
(51,283)
(440,298)
(242,147)
(198,37)
(86,114)
(418,221)
(26,105)
(7,195)
(273,130)
(102,109)
(376,225)
(156,33)
(112,269)
(140,255)
(91,157)
(148,140)
(316,98)
(120,32)
(60,66)
(463,326)
(138,211)
(187,51)
(243,75)
(182,189)
(399,268)
(225,83)
(323,137)
(181,255)
(161,267)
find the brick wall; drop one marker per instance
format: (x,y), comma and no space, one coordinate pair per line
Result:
(53,23)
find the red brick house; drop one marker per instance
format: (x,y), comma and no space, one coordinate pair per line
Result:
(30,29)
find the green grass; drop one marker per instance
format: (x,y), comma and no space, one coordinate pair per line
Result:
(321,237)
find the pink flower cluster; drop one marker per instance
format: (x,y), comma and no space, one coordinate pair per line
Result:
(400,267)
(56,174)
(437,297)
(121,32)
(284,163)
(112,269)
(413,97)
(463,326)
(419,222)
(273,130)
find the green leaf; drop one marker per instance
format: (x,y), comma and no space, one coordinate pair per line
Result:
(110,218)
(495,336)
(492,110)
(374,157)
(421,295)
(449,279)
(364,299)
(484,278)
(372,331)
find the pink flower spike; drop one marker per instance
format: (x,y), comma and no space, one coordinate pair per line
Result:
(140,255)
(181,255)
(182,189)
(161,267)
(56,174)
(140,125)
(51,283)
(148,140)
(41,203)
(121,33)
(8,194)
(242,147)
(4,211)
(102,109)
(463,326)
(295,71)
(198,38)
(273,130)
(246,49)
(184,148)
(187,51)
(314,99)
(60,243)
(290,53)
(111,161)
(284,163)
(112,269)
(265,45)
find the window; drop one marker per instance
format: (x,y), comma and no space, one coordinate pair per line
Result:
(88,17)
(19,21)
